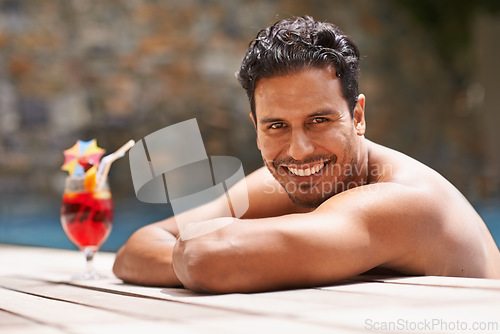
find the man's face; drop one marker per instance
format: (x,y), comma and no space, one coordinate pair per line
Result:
(306,135)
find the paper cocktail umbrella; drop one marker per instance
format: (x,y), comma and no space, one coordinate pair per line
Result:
(81,156)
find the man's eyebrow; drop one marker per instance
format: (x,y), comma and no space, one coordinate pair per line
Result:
(322,112)
(270,120)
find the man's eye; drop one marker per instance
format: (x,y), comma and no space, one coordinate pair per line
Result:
(318,120)
(276,126)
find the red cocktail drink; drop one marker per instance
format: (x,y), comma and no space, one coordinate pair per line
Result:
(87,217)
(87,204)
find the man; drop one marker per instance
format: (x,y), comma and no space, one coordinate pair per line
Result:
(329,203)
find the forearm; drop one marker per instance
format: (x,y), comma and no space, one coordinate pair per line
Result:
(146,258)
(236,258)
(255,255)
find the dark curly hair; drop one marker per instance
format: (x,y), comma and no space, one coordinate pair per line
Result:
(291,45)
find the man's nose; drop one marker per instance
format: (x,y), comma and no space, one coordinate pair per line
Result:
(300,145)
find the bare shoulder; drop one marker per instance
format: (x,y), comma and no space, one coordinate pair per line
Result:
(396,216)
(442,232)
(398,182)
(412,178)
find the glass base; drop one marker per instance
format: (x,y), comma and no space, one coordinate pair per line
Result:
(87,276)
(89,273)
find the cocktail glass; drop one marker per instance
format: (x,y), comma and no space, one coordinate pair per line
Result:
(87,218)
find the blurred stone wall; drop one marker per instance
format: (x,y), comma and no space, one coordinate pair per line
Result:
(116,70)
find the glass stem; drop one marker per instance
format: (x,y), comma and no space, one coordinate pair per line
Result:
(89,256)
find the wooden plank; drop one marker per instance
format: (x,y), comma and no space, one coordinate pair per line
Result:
(282,306)
(343,307)
(55,264)
(289,304)
(424,293)
(16,324)
(440,307)
(56,316)
(134,327)
(345,295)
(140,307)
(194,314)
(253,325)
(290,308)
(53,312)
(342,310)
(279,312)
(257,304)
(32,329)
(284,303)
(331,299)
(431,319)
(9,319)
(457,282)
(238,324)
(184,317)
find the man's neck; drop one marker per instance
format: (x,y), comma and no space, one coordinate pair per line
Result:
(364,165)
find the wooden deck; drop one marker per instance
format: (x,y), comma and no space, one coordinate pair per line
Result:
(37,296)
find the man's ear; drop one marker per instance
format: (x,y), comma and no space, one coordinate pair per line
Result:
(359,116)
(255,126)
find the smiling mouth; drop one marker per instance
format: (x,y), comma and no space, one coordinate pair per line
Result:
(307,171)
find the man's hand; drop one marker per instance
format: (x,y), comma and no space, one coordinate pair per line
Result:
(146,258)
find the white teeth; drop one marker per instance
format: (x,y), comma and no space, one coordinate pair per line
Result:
(307,171)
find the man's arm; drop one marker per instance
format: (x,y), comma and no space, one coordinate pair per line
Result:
(366,227)
(146,258)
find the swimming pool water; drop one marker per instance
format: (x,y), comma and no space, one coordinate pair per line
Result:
(38,224)
(41,226)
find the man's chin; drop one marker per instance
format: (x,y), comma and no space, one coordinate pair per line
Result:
(307,202)
(306,195)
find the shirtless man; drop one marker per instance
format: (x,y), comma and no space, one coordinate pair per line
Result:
(329,203)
